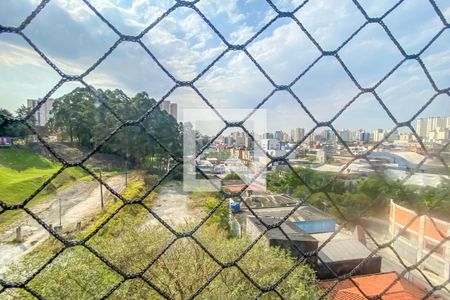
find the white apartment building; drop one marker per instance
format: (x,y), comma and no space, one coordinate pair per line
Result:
(297,134)
(433,128)
(44,113)
(270,144)
(170,108)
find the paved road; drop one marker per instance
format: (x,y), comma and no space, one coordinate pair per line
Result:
(78,202)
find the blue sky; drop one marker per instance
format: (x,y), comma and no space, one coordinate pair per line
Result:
(74,38)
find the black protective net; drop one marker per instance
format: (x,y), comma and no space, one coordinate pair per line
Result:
(272,289)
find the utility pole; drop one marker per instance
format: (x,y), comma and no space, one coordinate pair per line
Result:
(126,168)
(60,212)
(101,189)
(126,172)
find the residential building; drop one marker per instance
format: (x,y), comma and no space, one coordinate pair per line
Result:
(345,135)
(343,256)
(170,108)
(268,135)
(363,136)
(278,135)
(406,137)
(44,113)
(307,228)
(327,136)
(288,236)
(165,106)
(321,156)
(174,110)
(394,136)
(378,135)
(419,238)
(433,128)
(270,144)
(248,142)
(421,127)
(297,134)
(372,286)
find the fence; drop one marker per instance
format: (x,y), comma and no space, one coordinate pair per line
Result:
(271,289)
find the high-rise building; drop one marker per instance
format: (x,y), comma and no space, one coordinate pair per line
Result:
(297,134)
(394,136)
(248,142)
(174,110)
(345,135)
(278,135)
(421,127)
(327,136)
(363,136)
(268,135)
(433,128)
(378,135)
(165,106)
(170,108)
(44,113)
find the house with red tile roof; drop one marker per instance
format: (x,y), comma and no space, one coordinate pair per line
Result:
(372,286)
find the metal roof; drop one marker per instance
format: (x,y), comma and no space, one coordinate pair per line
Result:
(292,231)
(303,213)
(342,250)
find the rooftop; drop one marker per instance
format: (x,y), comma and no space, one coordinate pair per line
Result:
(342,250)
(303,213)
(292,231)
(373,285)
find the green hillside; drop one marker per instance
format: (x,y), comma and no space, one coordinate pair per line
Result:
(23,171)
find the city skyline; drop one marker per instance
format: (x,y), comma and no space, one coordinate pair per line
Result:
(184,44)
(442,122)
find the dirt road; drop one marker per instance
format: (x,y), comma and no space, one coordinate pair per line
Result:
(173,206)
(78,203)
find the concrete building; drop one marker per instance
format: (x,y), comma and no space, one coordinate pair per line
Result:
(268,135)
(170,108)
(297,134)
(421,127)
(327,136)
(321,156)
(287,236)
(306,217)
(166,106)
(433,128)
(345,135)
(270,144)
(278,135)
(44,113)
(342,256)
(306,229)
(363,136)
(174,110)
(419,238)
(406,137)
(248,141)
(378,135)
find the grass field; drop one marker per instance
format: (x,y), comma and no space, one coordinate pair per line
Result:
(23,171)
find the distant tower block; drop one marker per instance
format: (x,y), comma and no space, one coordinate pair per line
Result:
(170,108)
(174,110)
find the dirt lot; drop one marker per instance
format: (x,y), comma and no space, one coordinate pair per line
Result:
(78,203)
